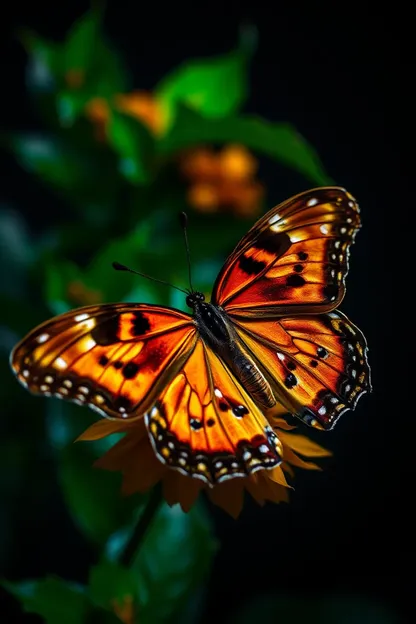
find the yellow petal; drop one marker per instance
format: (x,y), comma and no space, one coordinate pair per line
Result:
(178,488)
(288,469)
(295,460)
(100,429)
(277,475)
(304,445)
(280,423)
(228,496)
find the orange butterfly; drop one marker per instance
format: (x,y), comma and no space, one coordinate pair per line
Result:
(204,382)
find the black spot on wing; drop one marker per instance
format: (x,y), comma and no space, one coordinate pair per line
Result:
(251,266)
(295,280)
(273,242)
(331,292)
(103,360)
(290,381)
(141,324)
(107,332)
(130,370)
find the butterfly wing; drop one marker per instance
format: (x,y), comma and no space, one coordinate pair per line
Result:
(204,423)
(114,358)
(316,364)
(294,259)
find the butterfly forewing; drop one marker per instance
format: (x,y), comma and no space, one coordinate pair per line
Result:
(112,357)
(295,259)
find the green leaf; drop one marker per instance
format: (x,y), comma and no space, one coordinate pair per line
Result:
(215,87)
(279,141)
(58,276)
(56,600)
(111,583)
(174,558)
(87,50)
(134,144)
(80,45)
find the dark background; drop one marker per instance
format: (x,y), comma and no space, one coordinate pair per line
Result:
(340,76)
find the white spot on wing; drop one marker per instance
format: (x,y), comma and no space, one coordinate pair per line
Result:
(312,202)
(324,228)
(60,363)
(280,356)
(42,338)
(322,410)
(81,317)
(25,373)
(276,217)
(218,393)
(88,344)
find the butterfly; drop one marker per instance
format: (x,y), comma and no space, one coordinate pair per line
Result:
(204,383)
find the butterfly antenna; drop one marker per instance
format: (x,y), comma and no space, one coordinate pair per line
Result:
(184,223)
(122,267)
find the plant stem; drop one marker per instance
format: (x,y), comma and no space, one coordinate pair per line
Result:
(132,546)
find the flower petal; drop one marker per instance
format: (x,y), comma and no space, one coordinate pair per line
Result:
(277,475)
(101,429)
(228,496)
(143,471)
(178,488)
(280,423)
(119,455)
(304,445)
(295,460)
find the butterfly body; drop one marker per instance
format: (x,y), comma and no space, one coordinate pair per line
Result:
(272,335)
(217,330)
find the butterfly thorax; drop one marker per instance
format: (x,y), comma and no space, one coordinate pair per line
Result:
(217,331)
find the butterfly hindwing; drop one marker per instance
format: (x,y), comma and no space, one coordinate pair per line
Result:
(205,424)
(316,364)
(294,259)
(113,357)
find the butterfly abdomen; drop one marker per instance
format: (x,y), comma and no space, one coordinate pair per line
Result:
(253,380)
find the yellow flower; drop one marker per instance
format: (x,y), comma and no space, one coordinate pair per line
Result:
(134,457)
(222,180)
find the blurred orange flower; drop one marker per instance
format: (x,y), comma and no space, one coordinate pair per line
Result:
(222,180)
(124,609)
(133,455)
(139,104)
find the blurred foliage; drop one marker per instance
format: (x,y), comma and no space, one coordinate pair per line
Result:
(122,163)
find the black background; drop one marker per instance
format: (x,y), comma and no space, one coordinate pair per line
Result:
(343,77)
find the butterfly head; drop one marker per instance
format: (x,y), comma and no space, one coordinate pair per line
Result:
(194,298)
